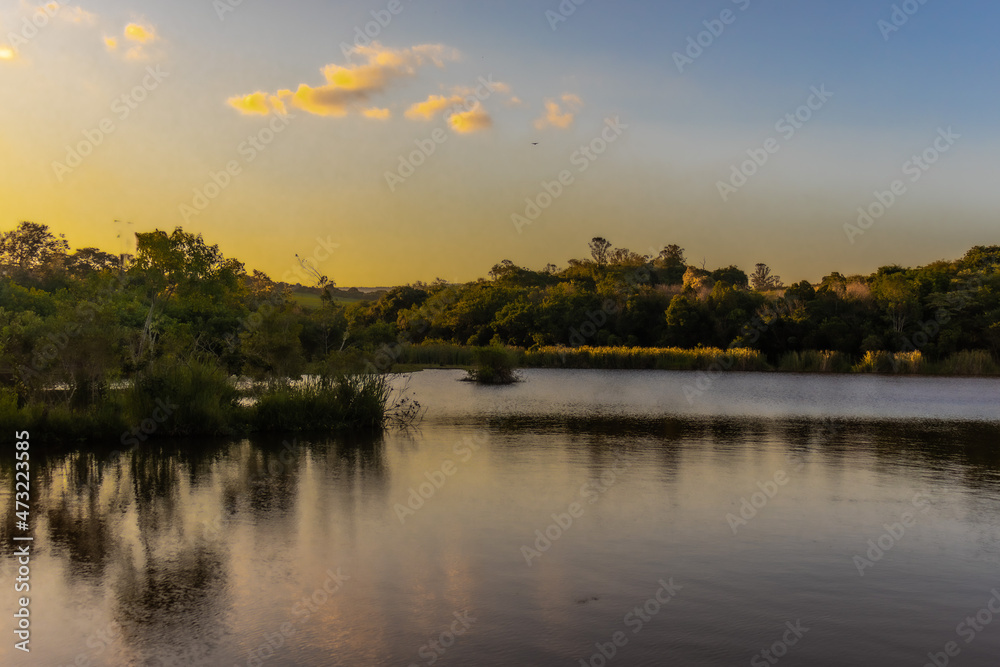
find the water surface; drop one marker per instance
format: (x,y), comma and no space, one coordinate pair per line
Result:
(322,551)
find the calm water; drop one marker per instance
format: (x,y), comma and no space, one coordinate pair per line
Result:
(824,520)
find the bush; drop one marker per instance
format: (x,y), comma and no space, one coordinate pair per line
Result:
(875,362)
(494,365)
(200,398)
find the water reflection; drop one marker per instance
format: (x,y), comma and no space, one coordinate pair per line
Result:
(192,553)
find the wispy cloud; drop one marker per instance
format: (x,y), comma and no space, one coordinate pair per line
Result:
(559,113)
(351,87)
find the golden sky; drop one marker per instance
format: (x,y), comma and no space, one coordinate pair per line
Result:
(428,140)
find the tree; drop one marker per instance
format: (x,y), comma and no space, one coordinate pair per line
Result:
(763,280)
(90,260)
(600,248)
(899,296)
(672,264)
(31,246)
(731,275)
(672,255)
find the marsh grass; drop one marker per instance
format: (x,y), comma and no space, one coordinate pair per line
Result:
(345,402)
(640,358)
(199,398)
(815,361)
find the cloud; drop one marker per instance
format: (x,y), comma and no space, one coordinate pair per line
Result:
(348,86)
(40,16)
(559,113)
(473,120)
(432,106)
(75,15)
(139,35)
(464,102)
(136,32)
(254,103)
(376,113)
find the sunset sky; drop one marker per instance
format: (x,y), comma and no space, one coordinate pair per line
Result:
(140,111)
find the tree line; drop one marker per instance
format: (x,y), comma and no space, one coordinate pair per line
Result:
(82,320)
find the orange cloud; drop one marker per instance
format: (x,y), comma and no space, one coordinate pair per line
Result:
(139,35)
(348,86)
(432,106)
(376,113)
(559,115)
(135,32)
(254,103)
(473,120)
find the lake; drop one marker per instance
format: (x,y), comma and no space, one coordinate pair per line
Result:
(577,518)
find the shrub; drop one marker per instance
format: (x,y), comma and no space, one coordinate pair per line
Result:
(494,365)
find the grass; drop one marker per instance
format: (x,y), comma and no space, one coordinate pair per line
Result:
(658,358)
(320,403)
(815,361)
(446,355)
(177,399)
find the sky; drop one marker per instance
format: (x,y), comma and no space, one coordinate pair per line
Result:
(391,141)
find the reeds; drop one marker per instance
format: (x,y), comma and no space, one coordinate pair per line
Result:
(640,358)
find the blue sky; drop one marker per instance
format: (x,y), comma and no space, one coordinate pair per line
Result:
(658,183)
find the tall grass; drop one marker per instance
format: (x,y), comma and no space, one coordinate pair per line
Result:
(815,361)
(968,362)
(199,396)
(659,358)
(321,403)
(200,399)
(438,354)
